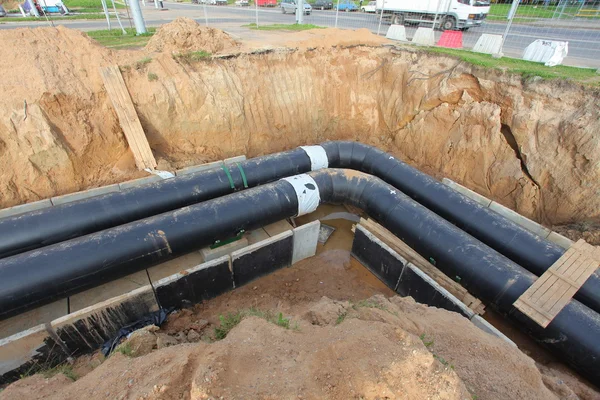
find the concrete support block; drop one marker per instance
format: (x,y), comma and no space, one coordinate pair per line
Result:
(108,290)
(212,254)
(489,328)
(262,258)
(396,32)
(31,318)
(560,240)
(257,235)
(175,266)
(86,330)
(521,220)
(306,238)
(233,160)
(138,182)
(23,208)
(488,44)
(278,227)
(86,194)
(194,285)
(424,36)
(484,201)
(27,352)
(198,168)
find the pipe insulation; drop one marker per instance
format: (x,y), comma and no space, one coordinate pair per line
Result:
(78,264)
(52,225)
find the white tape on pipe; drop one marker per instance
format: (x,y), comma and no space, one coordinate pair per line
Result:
(307,192)
(317,155)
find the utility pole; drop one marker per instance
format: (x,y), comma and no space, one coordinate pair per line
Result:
(511,14)
(138,18)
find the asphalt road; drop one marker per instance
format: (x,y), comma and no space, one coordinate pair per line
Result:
(584,44)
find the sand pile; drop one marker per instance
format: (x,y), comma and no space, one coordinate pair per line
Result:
(320,38)
(185,35)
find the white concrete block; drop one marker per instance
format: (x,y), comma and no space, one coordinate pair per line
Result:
(277,227)
(256,235)
(305,241)
(249,249)
(233,160)
(23,208)
(20,348)
(424,36)
(86,194)
(396,32)
(484,201)
(212,254)
(560,240)
(175,265)
(517,218)
(489,328)
(488,44)
(139,182)
(28,319)
(198,168)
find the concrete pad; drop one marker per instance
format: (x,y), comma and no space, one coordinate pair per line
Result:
(262,258)
(31,318)
(23,208)
(138,182)
(517,218)
(198,168)
(256,235)
(86,194)
(560,240)
(484,201)
(26,352)
(174,266)
(278,227)
(396,32)
(424,36)
(488,44)
(306,238)
(108,290)
(212,254)
(87,329)
(489,328)
(378,257)
(233,160)
(196,284)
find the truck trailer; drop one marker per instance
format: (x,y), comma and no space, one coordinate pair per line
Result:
(443,14)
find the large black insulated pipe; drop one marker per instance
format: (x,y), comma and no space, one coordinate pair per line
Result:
(55,224)
(91,260)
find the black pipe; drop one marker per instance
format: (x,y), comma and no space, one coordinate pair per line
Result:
(55,224)
(91,260)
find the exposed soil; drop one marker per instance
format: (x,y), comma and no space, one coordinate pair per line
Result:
(380,348)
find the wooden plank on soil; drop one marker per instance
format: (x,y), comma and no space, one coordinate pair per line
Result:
(128,118)
(415,258)
(552,291)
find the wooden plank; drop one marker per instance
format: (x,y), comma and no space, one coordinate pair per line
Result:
(415,258)
(130,123)
(552,291)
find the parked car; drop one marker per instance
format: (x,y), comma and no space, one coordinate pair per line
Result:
(2,12)
(370,7)
(291,5)
(347,5)
(221,2)
(242,3)
(323,4)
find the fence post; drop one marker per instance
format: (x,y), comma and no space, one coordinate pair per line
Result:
(511,14)
(380,16)
(337,11)
(205,14)
(256,11)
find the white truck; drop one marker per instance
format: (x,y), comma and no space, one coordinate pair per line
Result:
(445,14)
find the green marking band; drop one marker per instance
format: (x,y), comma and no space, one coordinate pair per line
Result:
(224,167)
(243,175)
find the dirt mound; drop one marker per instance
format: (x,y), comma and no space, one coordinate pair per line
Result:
(185,35)
(320,38)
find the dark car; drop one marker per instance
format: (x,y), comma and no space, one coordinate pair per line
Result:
(323,5)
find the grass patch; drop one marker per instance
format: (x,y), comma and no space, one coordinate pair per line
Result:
(65,369)
(115,39)
(192,56)
(283,27)
(500,11)
(143,62)
(231,320)
(89,4)
(152,76)
(125,349)
(427,343)
(527,69)
(341,318)
(53,17)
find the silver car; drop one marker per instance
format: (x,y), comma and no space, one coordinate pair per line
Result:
(290,6)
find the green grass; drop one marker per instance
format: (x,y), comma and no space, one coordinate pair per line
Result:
(65,369)
(125,349)
(54,17)
(115,38)
(341,318)
(427,343)
(283,27)
(192,56)
(143,62)
(500,11)
(152,76)
(527,69)
(231,320)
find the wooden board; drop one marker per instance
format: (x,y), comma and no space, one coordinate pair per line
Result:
(132,128)
(415,258)
(552,291)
